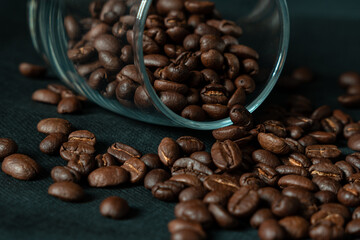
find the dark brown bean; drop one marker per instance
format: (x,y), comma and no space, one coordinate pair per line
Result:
(69,105)
(297,181)
(65,174)
(123,152)
(72,150)
(193,210)
(7,147)
(271,229)
(190,166)
(217,182)
(322,151)
(20,166)
(273,143)
(167,191)
(46,96)
(193,112)
(190,144)
(168,151)
(226,155)
(114,207)
(52,143)
(66,191)
(243,202)
(108,176)
(216,111)
(296,226)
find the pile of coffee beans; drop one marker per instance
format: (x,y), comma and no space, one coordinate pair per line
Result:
(193,57)
(351,82)
(56,94)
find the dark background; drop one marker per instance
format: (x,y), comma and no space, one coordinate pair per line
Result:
(325,36)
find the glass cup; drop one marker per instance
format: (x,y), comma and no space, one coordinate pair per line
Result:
(266,28)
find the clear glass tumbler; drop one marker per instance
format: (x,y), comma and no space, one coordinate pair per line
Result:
(266,28)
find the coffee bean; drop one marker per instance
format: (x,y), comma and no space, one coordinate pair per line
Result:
(97,30)
(351,129)
(111,11)
(136,168)
(56,88)
(322,151)
(297,181)
(155,176)
(222,216)
(168,151)
(326,230)
(269,195)
(285,206)
(72,27)
(216,111)
(191,193)
(354,142)
(123,152)
(356,213)
(271,229)
(266,173)
(83,164)
(348,79)
(226,155)
(69,105)
(151,160)
(52,143)
(348,195)
(217,182)
(214,94)
(323,137)
(190,166)
(307,140)
(114,207)
(251,180)
(190,144)
(260,216)
(46,96)
(325,197)
(164,85)
(173,100)
(84,136)
(229,133)
(346,168)
(327,183)
(185,235)
(66,191)
(7,147)
(266,157)
(321,112)
(199,7)
(322,216)
(20,166)
(65,174)
(72,150)
(108,176)
(193,112)
(354,159)
(86,69)
(307,200)
(82,54)
(296,227)
(178,225)
(292,170)
(243,202)
(273,143)
(167,191)
(32,70)
(192,42)
(194,210)
(353,228)
(329,170)
(187,179)
(332,124)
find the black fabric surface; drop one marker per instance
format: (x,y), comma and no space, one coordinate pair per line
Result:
(325,36)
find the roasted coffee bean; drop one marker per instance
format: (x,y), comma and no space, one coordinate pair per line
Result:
(351,129)
(208,42)
(219,197)
(251,180)
(332,124)
(7,147)
(328,170)
(250,66)
(123,152)
(216,111)
(243,202)
(151,160)
(190,166)
(111,11)
(272,143)
(323,137)
(205,29)
(346,168)
(266,173)
(186,234)
(240,116)
(72,27)
(108,176)
(136,168)
(271,229)
(322,216)
(348,79)
(261,216)
(230,86)
(66,191)
(222,216)
(105,160)
(190,144)
(84,136)
(178,224)
(86,69)
(214,94)
(226,155)
(285,206)
(54,125)
(193,210)
(307,140)
(337,209)
(348,195)
(193,96)
(295,226)
(81,55)
(266,157)
(20,166)
(322,151)
(238,98)
(275,127)
(114,207)
(297,181)
(187,179)
(353,228)
(303,122)
(191,193)
(243,51)
(71,150)
(110,89)
(199,7)
(211,76)
(326,230)
(110,61)
(354,142)
(56,88)
(321,160)
(232,132)
(292,170)
(65,174)
(32,70)
(164,85)
(173,100)
(125,89)
(298,159)
(326,183)
(46,96)
(167,191)
(294,145)
(83,163)
(342,117)
(155,176)
(168,151)
(97,30)
(268,195)
(98,79)
(217,182)
(155,60)
(354,159)
(325,197)
(321,112)
(212,59)
(69,105)
(52,143)
(246,82)
(193,112)
(307,200)
(356,213)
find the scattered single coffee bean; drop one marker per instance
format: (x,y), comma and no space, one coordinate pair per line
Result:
(32,70)
(46,96)
(7,147)
(54,125)
(69,105)
(114,207)
(20,166)
(108,176)
(67,191)
(52,143)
